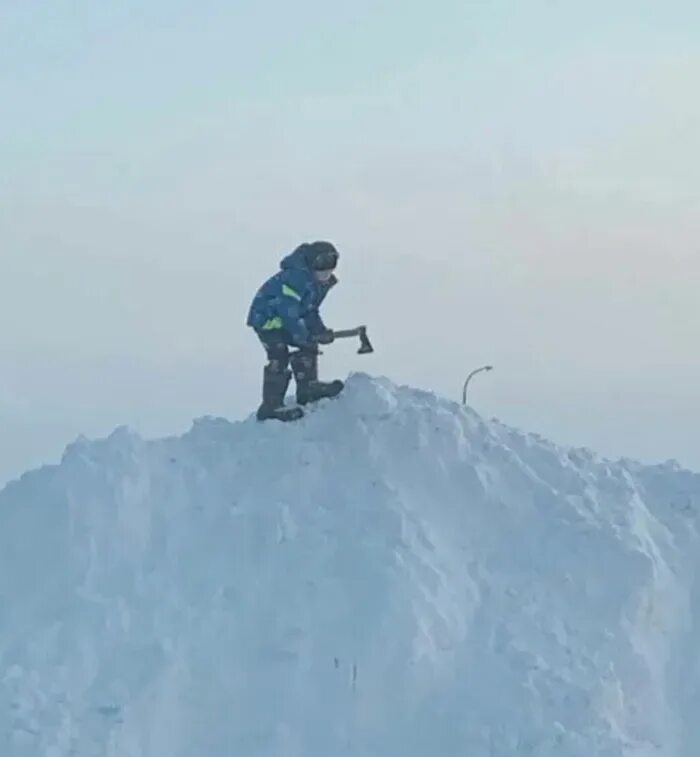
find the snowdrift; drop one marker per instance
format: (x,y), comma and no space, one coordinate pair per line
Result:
(390,577)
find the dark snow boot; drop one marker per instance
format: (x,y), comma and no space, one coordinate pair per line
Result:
(309,388)
(275,386)
(318,390)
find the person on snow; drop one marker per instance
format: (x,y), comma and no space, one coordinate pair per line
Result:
(285,314)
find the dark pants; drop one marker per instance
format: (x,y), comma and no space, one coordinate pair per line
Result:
(281,352)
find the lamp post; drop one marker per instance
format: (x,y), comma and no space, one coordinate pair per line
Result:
(470,377)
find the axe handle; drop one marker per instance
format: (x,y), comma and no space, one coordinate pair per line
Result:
(347,333)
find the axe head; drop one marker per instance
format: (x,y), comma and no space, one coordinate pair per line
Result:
(365,344)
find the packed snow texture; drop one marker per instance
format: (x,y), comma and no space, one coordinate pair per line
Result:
(390,577)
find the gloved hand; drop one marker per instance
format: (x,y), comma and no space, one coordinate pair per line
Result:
(326,337)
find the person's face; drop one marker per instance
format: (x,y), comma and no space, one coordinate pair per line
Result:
(324,276)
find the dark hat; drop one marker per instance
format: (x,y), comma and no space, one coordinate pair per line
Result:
(321,256)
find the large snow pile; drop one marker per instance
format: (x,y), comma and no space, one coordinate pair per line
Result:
(391,577)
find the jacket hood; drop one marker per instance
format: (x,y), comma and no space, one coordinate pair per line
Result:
(297,259)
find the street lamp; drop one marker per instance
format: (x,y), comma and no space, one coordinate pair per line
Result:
(470,377)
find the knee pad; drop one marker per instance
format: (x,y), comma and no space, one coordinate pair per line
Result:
(278,367)
(278,357)
(305,365)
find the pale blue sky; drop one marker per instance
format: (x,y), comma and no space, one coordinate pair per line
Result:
(509,182)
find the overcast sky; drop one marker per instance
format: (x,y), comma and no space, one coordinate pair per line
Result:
(508,182)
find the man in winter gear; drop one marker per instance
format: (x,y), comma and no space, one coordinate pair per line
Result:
(284,314)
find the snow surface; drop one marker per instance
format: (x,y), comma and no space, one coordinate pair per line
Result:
(391,577)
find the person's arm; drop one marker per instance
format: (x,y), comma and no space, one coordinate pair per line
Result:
(315,323)
(291,310)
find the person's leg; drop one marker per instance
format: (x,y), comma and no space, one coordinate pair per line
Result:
(309,388)
(276,378)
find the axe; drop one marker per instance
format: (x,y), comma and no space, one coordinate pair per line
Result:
(361,331)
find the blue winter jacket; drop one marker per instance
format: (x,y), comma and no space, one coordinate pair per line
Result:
(289,301)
